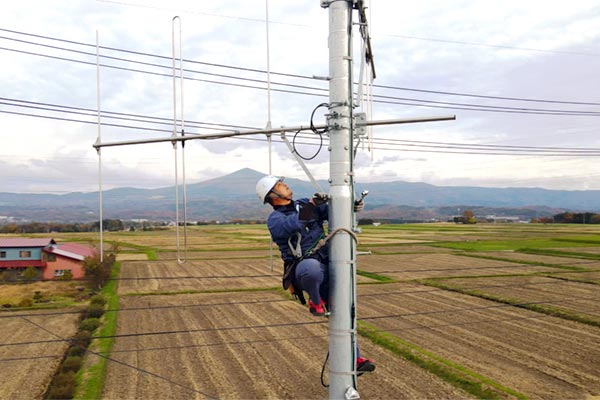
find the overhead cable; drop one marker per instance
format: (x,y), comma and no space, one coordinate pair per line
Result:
(420,102)
(299,76)
(301,323)
(390,144)
(17,314)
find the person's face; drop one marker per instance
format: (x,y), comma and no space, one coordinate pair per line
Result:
(283,189)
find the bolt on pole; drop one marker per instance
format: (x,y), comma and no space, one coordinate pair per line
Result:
(342,329)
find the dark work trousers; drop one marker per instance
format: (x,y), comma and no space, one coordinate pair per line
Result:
(313,277)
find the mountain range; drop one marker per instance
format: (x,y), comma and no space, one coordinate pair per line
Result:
(232,197)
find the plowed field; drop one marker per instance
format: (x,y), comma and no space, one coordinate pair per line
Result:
(246,350)
(241,345)
(230,274)
(571,297)
(27,369)
(440,324)
(418,266)
(539,356)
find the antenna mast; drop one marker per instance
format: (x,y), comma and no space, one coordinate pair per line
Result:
(342,322)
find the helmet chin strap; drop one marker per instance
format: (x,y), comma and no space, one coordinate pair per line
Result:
(280,195)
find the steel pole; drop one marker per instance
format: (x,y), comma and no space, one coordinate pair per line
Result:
(341,255)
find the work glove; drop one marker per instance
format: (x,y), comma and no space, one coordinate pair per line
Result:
(320,198)
(359,205)
(307,212)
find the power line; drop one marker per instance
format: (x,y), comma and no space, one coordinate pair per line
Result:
(260,20)
(236,303)
(115,115)
(149,278)
(61,339)
(257,276)
(304,337)
(300,323)
(481,96)
(498,46)
(161,74)
(408,102)
(169,58)
(180,347)
(495,146)
(304,76)
(419,102)
(482,149)
(172,332)
(161,66)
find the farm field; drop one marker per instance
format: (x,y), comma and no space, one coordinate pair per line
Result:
(537,355)
(447,311)
(241,346)
(415,266)
(28,368)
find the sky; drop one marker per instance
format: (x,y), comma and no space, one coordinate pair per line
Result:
(521,77)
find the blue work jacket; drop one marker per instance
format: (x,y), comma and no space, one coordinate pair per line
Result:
(284,222)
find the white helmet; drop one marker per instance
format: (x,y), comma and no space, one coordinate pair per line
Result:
(265,185)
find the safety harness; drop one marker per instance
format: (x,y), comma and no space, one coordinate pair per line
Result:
(289,267)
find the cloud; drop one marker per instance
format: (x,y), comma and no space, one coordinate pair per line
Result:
(534,49)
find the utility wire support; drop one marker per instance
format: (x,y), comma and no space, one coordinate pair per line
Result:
(222,135)
(269,136)
(342,321)
(99,140)
(342,128)
(179,259)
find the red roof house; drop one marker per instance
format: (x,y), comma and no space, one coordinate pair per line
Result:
(50,258)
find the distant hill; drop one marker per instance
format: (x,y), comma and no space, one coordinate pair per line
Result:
(232,197)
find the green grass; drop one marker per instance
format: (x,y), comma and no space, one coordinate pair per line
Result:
(592,239)
(555,275)
(526,262)
(499,245)
(419,228)
(90,380)
(379,278)
(559,253)
(457,375)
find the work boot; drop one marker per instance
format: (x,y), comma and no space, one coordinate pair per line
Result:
(364,365)
(318,310)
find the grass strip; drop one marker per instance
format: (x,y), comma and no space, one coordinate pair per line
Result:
(457,375)
(371,275)
(539,308)
(499,245)
(90,379)
(571,279)
(579,240)
(559,253)
(151,254)
(526,262)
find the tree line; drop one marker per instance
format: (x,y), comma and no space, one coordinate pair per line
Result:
(570,218)
(111,225)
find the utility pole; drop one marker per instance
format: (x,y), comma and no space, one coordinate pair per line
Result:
(342,258)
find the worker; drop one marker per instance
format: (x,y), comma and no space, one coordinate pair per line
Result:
(296,226)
